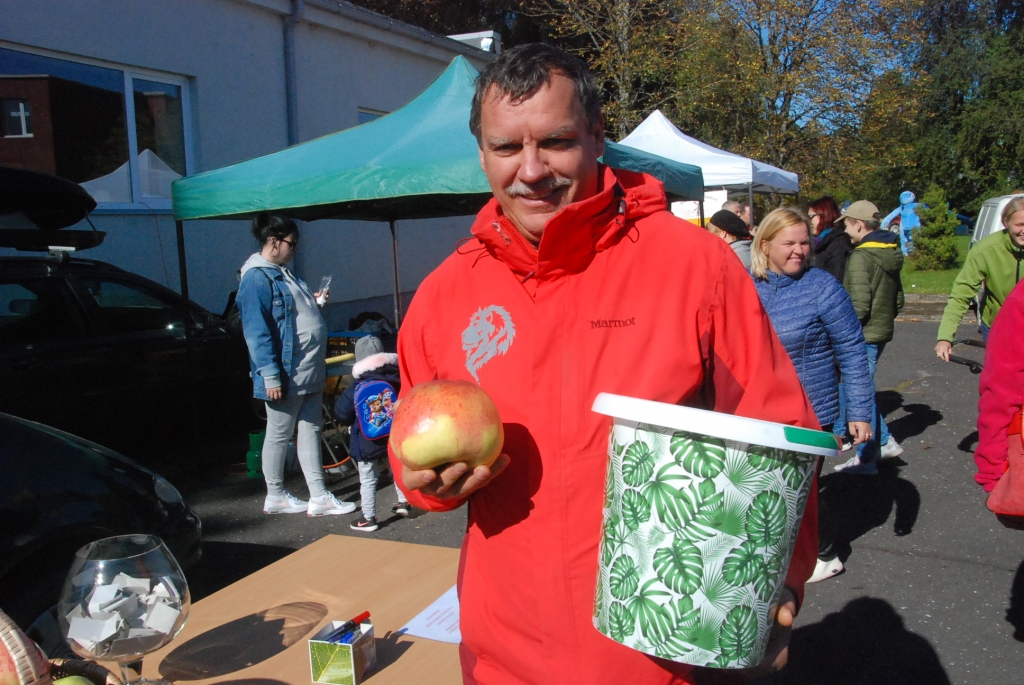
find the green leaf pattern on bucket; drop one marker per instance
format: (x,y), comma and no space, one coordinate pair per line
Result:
(697,532)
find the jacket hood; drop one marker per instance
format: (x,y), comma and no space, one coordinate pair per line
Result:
(374,362)
(576,233)
(257,260)
(884,248)
(829,236)
(906,197)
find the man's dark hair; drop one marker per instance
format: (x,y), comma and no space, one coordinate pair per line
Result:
(520,72)
(266,226)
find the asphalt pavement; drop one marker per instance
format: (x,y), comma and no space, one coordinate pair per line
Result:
(934,585)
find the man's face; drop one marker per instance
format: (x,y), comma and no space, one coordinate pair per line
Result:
(745,215)
(539,155)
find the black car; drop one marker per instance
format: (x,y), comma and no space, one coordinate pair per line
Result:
(102,353)
(59,492)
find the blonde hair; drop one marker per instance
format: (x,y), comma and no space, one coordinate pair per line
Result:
(1011,208)
(776,221)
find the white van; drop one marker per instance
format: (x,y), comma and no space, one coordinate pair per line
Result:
(990,218)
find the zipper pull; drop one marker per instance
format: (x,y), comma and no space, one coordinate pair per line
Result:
(497,227)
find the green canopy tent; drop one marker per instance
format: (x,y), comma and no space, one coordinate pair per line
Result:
(418,162)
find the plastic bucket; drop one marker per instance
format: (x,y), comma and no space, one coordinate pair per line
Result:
(701,515)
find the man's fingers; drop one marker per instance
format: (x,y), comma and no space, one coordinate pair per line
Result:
(449,476)
(418,479)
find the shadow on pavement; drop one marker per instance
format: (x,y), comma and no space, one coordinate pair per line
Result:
(969,443)
(1015,612)
(858,504)
(919,417)
(224,563)
(865,643)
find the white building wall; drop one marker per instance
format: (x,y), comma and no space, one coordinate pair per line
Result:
(232,51)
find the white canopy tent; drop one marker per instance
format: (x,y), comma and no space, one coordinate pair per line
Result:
(659,136)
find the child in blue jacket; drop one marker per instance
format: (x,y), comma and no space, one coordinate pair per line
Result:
(368,407)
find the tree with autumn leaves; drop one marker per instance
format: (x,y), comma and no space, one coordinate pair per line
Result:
(863,98)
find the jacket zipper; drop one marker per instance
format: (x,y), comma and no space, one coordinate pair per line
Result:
(511,237)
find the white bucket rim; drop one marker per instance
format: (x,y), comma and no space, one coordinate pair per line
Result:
(717,424)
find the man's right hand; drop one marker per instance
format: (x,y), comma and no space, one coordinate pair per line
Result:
(274,394)
(453,481)
(943,348)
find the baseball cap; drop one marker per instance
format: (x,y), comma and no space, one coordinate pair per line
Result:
(862,210)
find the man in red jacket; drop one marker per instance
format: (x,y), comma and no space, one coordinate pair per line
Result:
(578,280)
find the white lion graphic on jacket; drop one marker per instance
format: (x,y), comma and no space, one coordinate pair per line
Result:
(489,334)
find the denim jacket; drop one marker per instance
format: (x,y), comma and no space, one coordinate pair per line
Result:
(268,323)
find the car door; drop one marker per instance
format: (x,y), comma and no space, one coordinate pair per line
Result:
(153,407)
(51,369)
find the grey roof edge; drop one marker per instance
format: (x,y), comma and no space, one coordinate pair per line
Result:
(383,22)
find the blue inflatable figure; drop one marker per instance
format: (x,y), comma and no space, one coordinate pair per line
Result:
(908,219)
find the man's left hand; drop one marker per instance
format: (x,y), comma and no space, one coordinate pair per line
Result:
(777,653)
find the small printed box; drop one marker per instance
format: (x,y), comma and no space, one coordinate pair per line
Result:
(342,664)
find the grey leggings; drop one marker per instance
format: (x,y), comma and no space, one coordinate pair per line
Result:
(281,418)
(369,471)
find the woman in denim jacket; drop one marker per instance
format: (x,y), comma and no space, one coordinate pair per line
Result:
(287,341)
(816,323)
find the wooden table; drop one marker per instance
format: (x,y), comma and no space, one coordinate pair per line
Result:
(254,632)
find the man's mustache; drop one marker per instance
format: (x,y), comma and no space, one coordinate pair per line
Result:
(550,183)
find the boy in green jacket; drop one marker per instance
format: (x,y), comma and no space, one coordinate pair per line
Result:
(995,261)
(872,281)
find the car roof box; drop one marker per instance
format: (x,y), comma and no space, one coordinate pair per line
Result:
(48,202)
(29,240)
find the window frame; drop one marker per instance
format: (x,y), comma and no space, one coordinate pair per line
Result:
(128,73)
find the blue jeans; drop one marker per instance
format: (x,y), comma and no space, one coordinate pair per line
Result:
(984,328)
(867,451)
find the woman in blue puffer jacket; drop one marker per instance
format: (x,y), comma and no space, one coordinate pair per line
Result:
(816,323)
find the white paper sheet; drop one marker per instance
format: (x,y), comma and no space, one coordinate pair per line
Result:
(439,621)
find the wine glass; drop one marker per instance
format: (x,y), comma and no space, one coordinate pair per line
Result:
(125,597)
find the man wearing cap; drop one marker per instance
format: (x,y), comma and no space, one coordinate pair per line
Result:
(873,282)
(730,228)
(572,268)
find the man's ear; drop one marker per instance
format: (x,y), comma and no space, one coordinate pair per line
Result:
(480,150)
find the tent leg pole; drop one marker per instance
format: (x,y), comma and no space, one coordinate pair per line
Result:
(750,193)
(700,212)
(179,230)
(398,281)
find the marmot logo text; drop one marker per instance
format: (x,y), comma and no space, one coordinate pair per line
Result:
(613,323)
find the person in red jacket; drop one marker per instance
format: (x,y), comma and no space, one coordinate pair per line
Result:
(577,280)
(1001,388)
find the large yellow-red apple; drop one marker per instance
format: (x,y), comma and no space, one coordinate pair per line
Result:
(442,422)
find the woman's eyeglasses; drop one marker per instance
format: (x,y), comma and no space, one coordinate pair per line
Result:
(294,244)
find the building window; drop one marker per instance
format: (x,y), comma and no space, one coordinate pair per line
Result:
(121,133)
(17,121)
(368,115)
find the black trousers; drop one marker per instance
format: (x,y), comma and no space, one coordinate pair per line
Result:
(826,526)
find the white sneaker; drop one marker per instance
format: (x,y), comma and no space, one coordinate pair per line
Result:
(891,448)
(329,505)
(286,503)
(855,465)
(823,570)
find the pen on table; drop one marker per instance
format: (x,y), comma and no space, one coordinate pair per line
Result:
(347,625)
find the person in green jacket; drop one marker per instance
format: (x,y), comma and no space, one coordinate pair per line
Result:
(995,261)
(872,281)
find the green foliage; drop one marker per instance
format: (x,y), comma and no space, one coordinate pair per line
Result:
(704,457)
(638,465)
(934,243)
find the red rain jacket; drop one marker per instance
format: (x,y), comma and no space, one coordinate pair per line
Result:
(1002,390)
(621,297)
